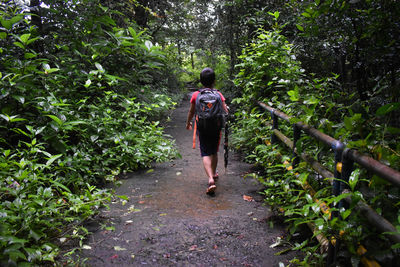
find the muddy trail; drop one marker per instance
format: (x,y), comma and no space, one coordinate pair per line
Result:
(170,221)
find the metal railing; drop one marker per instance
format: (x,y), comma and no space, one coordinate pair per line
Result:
(344,161)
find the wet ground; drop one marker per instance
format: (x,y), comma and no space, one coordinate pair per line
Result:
(170,221)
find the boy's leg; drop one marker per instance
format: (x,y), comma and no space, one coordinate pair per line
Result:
(207,162)
(214,163)
(208,167)
(209,153)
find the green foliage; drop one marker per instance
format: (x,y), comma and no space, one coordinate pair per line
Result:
(268,68)
(72,119)
(193,65)
(269,72)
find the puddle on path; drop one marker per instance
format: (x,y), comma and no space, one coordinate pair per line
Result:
(186,196)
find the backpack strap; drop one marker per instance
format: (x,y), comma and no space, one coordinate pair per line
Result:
(207,89)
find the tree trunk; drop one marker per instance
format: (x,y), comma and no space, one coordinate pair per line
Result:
(343,71)
(141,15)
(231,45)
(36,19)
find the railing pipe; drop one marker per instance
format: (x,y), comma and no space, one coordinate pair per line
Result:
(377,220)
(324,138)
(372,216)
(306,128)
(375,166)
(369,163)
(280,114)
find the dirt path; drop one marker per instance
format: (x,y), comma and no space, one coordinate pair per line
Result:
(170,221)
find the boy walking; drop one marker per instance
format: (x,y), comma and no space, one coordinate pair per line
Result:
(208,104)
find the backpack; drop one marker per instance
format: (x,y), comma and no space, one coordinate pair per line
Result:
(209,111)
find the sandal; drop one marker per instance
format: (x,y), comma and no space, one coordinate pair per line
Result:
(216,176)
(211,188)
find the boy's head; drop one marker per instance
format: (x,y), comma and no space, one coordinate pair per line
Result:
(207,77)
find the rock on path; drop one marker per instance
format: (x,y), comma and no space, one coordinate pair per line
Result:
(170,221)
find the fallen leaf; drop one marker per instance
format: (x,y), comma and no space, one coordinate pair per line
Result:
(178,173)
(223,259)
(156,229)
(163,214)
(250,213)
(167,255)
(142,202)
(132,209)
(114,257)
(289,168)
(110,228)
(255,219)
(150,171)
(248,198)
(86,247)
(215,247)
(118,248)
(278,242)
(128,222)
(194,247)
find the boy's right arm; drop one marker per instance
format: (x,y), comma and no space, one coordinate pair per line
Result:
(190,116)
(225,107)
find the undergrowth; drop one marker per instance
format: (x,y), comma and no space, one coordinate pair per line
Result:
(77,108)
(269,72)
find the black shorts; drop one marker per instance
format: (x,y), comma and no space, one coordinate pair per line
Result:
(209,143)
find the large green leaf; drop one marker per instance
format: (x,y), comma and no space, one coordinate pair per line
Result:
(56,119)
(6,23)
(387,108)
(99,67)
(52,159)
(24,38)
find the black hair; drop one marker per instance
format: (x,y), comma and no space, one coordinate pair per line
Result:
(207,77)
